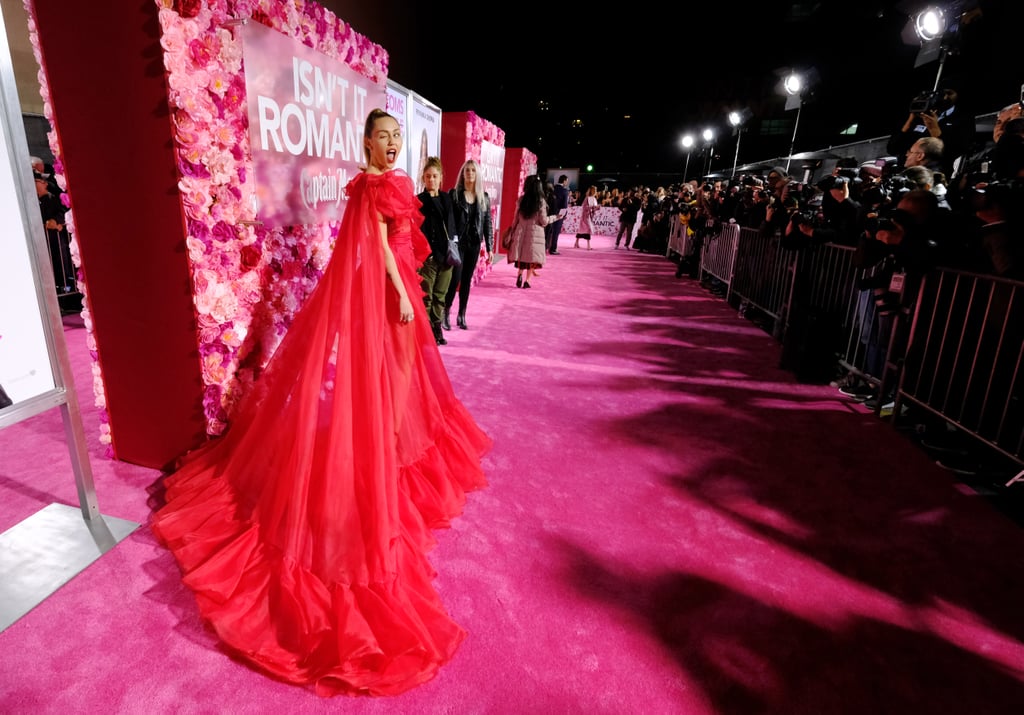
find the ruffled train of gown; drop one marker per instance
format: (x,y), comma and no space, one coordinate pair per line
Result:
(303,531)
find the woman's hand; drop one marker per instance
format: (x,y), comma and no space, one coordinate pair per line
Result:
(405,309)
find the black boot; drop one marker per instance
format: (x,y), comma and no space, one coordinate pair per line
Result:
(438,335)
(462,320)
(445,322)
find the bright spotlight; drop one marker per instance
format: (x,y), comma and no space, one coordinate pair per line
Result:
(687,141)
(794,84)
(708,135)
(740,117)
(930,24)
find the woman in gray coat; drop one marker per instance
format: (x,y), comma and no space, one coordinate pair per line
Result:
(527,251)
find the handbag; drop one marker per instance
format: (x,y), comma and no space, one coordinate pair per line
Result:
(454,257)
(508,235)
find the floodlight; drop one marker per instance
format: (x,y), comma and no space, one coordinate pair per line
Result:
(929,24)
(708,134)
(737,119)
(794,84)
(740,117)
(687,143)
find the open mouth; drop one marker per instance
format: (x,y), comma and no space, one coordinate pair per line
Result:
(391,155)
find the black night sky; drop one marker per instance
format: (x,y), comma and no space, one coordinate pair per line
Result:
(618,87)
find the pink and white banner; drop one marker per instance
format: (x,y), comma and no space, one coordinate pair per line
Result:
(492,174)
(306,116)
(398,106)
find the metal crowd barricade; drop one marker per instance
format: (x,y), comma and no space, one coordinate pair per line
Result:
(762,273)
(833,280)
(718,254)
(64,274)
(962,359)
(956,350)
(679,240)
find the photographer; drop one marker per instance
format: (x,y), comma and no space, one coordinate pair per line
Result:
(841,213)
(990,163)
(935,114)
(778,189)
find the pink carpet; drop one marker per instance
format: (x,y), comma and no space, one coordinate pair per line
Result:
(673,525)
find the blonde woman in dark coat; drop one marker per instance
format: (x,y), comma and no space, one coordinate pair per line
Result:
(527,251)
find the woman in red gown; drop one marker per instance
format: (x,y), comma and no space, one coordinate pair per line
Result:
(303,531)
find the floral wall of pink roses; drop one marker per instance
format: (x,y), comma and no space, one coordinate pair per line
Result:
(248,281)
(479,130)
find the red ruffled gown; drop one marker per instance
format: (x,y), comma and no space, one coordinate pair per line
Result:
(303,531)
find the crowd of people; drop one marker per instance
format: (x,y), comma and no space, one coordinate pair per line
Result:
(940,196)
(935,183)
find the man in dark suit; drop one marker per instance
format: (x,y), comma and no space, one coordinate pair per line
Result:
(561,206)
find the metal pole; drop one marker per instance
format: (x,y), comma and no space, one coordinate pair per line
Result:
(792,143)
(687,168)
(942,63)
(711,155)
(736,159)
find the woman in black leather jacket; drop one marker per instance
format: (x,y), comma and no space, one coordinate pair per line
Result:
(473,224)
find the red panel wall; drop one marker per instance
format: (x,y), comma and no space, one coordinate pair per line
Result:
(511,187)
(453,145)
(106,76)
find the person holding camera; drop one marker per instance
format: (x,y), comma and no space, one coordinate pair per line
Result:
(778,187)
(935,114)
(984,167)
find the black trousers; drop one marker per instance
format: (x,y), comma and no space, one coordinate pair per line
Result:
(462,276)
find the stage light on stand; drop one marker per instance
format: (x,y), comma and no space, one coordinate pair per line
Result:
(709,145)
(737,119)
(687,142)
(796,87)
(937,30)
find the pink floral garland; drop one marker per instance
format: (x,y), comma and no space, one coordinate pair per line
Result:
(248,282)
(528,167)
(479,130)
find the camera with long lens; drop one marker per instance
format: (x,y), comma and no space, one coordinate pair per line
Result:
(926,101)
(832,181)
(878,223)
(888,191)
(805,217)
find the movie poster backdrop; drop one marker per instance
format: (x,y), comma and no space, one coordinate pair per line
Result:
(306,116)
(424,138)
